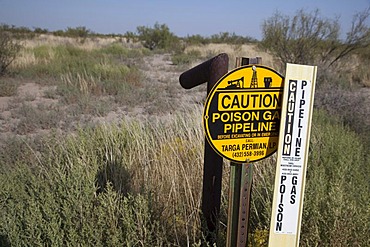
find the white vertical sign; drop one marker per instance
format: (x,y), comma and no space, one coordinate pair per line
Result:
(292,157)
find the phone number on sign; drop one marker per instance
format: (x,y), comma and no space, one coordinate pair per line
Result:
(248,153)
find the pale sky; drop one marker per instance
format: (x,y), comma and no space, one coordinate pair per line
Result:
(184,18)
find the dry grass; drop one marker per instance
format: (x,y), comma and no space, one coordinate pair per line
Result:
(49,42)
(86,43)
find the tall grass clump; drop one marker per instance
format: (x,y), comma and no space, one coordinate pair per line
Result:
(134,184)
(63,62)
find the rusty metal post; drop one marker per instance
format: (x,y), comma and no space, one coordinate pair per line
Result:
(210,71)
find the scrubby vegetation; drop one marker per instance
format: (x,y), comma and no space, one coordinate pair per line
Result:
(69,181)
(313,39)
(140,183)
(9,49)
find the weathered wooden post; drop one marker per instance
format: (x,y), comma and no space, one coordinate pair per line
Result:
(210,71)
(286,215)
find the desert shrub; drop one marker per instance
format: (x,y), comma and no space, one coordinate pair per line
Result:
(8,87)
(309,38)
(361,75)
(108,186)
(124,54)
(131,37)
(60,207)
(17,32)
(39,30)
(335,211)
(230,38)
(158,37)
(220,38)
(32,117)
(9,49)
(80,32)
(346,102)
(186,57)
(196,40)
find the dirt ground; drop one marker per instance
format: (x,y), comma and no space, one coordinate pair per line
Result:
(160,76)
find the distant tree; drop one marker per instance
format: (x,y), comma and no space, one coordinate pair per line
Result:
(311,38)
(158,37)
(17,32)
(196,40)
(78,32)
(358,37)
(59,33)
(230,38)
(40,30)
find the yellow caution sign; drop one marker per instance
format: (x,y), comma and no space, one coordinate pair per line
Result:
(242,113)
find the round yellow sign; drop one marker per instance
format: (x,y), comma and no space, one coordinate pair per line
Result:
(242,113)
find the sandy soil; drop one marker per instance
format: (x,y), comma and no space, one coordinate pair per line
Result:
(160,75)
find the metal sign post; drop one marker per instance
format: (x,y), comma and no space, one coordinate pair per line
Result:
(292,157)
(240,191)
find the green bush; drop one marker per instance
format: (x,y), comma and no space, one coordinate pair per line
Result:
(74,32)
(196,40)
(101,187)
(119,51)
(78,32)
(309,38)
(186,58)
(32,118)
(17,32)
(8,87)
(60,207)
(335,210)
(230,38)
(158,37)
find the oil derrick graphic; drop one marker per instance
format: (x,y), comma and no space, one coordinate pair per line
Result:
(236,83)
(254,81)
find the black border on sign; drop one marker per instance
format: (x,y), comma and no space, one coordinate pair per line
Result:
(214,88)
